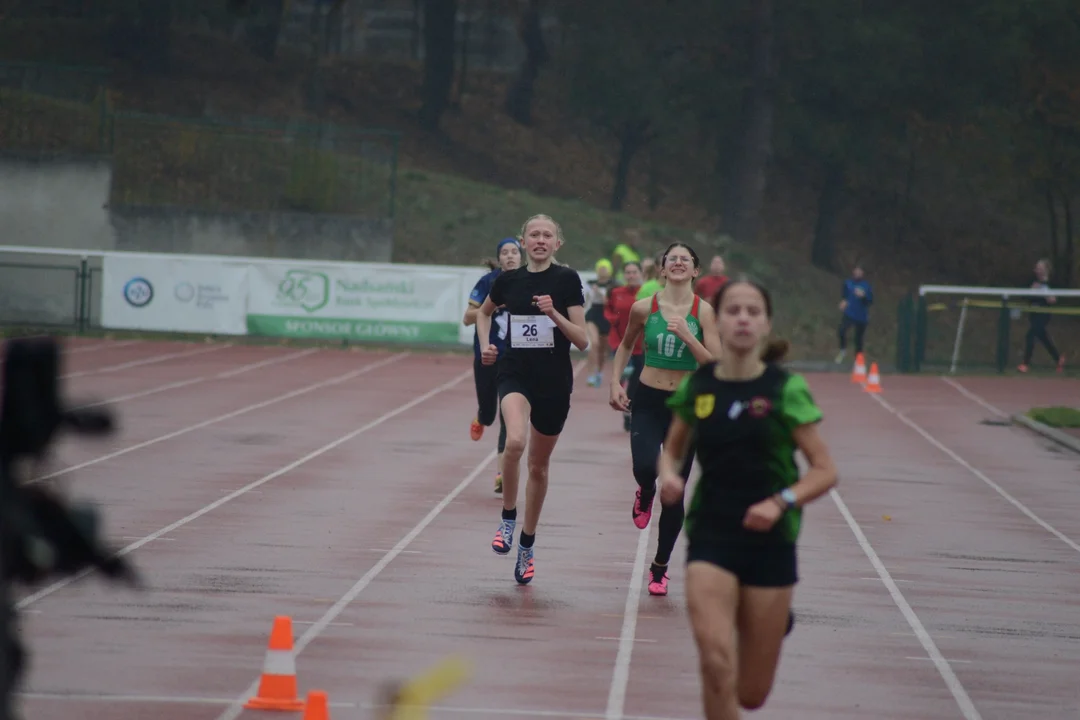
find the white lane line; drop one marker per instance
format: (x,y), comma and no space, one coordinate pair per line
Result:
(60,584)
(236,708)
(975,398)
(967,707)
(147,361)
(974,471)
(227,416)
(620,677)
(102,346)
(196,380)
(204,700)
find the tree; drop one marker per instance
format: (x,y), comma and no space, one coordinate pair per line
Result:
(440,21)
(520,94)
(619,71)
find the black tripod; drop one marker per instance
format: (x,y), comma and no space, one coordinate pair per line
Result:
(42,535)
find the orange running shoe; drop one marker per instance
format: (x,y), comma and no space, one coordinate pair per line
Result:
(476,430)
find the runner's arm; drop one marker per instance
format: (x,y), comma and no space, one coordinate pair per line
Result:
(629,340)
(710,332)
(483,321)
(471,313)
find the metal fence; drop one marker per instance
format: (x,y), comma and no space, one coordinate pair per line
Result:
(49,288)
(242,165)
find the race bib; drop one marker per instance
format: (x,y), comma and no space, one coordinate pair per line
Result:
(532,331)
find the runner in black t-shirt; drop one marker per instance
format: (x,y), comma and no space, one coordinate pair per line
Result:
(748,417)
(546,309)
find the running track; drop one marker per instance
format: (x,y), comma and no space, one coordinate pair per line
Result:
(341,488)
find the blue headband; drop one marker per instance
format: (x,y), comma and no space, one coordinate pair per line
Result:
(504,241)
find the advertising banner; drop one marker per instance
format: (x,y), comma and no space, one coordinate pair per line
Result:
(173,294)
(354,302)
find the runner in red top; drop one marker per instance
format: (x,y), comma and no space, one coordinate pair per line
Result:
(617,311)
(708,285)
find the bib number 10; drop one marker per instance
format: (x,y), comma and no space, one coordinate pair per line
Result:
(666,345)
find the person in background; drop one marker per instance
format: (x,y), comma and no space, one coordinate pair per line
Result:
(1037,322)
(595,321)
(708,286)
(856,297)
(621,256)
(650,270)
(620,301)
(508,253)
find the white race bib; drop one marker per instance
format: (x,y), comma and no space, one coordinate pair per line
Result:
(532,331)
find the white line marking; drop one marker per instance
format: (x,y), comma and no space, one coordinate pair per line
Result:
(875,579)
(147,361)
(195,381)
(102,346)
(60,584)
(926,658)
(943,667)
(620,677)
(975,398)
(967,466)
(337,608)
(196,700)
(227,416)
(637,639)
(236,708)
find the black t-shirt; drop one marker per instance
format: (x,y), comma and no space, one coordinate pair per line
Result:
(745,448)
(537,352)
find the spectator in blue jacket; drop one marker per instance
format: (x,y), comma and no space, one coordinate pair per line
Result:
(855,300)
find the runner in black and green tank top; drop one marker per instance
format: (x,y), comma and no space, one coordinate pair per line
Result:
(679,333)
(748,417)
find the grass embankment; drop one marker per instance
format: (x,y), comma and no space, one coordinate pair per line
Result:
(1056,416)
(439,218)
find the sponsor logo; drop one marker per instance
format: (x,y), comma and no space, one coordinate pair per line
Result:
(138,292)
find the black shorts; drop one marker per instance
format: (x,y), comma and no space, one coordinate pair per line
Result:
(548,409)
(595,315)
(755,565)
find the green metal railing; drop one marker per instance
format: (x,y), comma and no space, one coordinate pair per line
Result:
(35,293)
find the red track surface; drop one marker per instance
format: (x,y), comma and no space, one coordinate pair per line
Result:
(287,485)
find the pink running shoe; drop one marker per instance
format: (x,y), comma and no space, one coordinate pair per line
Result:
(642,515)
(658,580)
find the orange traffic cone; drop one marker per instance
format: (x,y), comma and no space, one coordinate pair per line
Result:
(873,383)
(317,707)
(277,687)
(858,374)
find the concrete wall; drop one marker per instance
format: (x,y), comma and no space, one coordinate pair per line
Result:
(64,204)
(285,235)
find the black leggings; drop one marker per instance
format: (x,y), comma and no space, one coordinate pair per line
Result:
(487,397)
(1037,331)
(649,422)
(860,331)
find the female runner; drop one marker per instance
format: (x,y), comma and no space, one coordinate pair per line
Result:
(545,304)
(617,311)
(508,253)
(596,322)
(747,416)
(680,333)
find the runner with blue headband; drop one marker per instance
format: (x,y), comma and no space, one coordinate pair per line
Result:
(508,254)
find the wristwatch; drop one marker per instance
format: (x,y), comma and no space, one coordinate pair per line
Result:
(789,498)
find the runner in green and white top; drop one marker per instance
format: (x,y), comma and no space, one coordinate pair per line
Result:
(679,334)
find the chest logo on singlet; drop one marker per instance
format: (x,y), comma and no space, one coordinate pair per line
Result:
(759,407)
(736,409)
(704,406)
(532,331)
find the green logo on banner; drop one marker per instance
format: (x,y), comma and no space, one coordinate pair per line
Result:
(306,289)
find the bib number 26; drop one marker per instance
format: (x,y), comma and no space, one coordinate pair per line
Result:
(532,331)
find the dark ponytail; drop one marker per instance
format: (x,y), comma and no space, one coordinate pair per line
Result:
(491,263)
(776,349)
